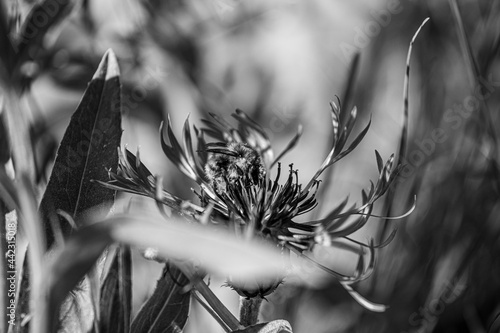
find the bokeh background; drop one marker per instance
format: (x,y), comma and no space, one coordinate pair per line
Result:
(282,62)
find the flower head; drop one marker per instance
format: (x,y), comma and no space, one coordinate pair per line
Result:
(246,188)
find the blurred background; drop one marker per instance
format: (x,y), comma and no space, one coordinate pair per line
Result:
(283,62)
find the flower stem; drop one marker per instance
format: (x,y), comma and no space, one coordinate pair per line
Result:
(249,310)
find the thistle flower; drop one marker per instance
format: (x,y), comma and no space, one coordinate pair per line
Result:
(242,186)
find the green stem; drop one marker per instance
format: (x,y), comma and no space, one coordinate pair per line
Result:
(249,310)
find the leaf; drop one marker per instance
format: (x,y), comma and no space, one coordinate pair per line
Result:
(42,17)
(403,141)
(116,294)
(216,251)
(69,265)
(87,151)
(6,50)
(495,324)
(380,162)
(30,292)
(406,86)
(275,326)
(4,140)
(166,311)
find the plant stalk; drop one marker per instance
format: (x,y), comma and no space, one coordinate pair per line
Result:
(249,310)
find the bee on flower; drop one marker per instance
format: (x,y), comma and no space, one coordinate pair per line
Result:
(244,187)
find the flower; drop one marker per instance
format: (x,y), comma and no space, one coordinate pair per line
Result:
(240,185)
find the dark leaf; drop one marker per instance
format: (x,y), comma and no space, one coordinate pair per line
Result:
(4,141)
(406,86)
(87,151)
(167,309)
(41,18)
(175,153)
(116,294)
(380,162)
(6,50)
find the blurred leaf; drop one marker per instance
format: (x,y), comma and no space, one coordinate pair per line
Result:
(6,50)
(495,325)
(275,326)
(32,290)
(217,251)
(87,151)
(166,311)
(116,294)
(39,21)
(363,301)
(69,265)
(4,141)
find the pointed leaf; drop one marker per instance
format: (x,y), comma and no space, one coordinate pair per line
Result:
(166,311)
(335,113)
(87,151)
(406,86)
(380,161)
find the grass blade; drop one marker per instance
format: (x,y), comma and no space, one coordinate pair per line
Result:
(406,85)
(403,142)
(472,68)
